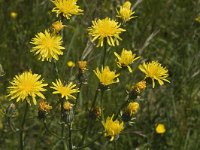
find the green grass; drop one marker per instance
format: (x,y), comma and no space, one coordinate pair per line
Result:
(175,44)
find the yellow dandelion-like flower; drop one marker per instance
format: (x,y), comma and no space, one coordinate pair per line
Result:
(197,19)
(65,90)
(13,15)
(25,85)
(133,107)
(44,106)
(126,59)
(125,12)
(47,46)
(112,128)
(160,128)
(66,7)
(57,26)
(106,76)
(155,71)
(140,86)
(105,30)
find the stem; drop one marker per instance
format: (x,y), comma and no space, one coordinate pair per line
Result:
(95,97)
(62,123)
(70,135)
(104,55)
(22,127)
(101,101)
(122,106)
(47,129)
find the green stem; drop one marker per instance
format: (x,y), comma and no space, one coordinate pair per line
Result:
(22,127)
(70,135)
(62,123)
(104,55)
(101,101)
(122,106)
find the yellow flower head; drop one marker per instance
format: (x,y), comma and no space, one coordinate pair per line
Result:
(47,46)
(112,128)
(155,71)
(140,86)
(105,30)
(126,59)
(67,8)
(44,106)
(160,128)
(13,15)
(57,26)
(125,12)
(25,85)
(70,64)
(82,65)
(106,76)
(133,107)
(65,90)
(68,106)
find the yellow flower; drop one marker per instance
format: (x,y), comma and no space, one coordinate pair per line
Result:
(105,30)
(160,128)
(47,46)
(155,71)
(133,107)
(57,26)
(44,106)
(140,86)
(67,106)
(65,90)
(13,15)
(112,128)
(126,59)
(125,12)
(82,65)
(66,7)
(25,85)
(106,76)
(197,19)
(70,64)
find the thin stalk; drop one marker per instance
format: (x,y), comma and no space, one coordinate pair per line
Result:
(70,135)
(47,129)
(22,127)
(101,101)
(62,123)
(122,106)
(104,55)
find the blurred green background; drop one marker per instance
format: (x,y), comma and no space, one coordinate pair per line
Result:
(165,30)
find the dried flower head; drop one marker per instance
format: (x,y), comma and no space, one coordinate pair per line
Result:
(67,8)
(155,71)
(160,128)
(106,76)
(105,30)
(140,86)
(26,85)
(68,106)
(132,108)
(47,46)
(64,90)
(44,106)
(126,59)
(57,26)
(82,65)
(112,128)
(125,12)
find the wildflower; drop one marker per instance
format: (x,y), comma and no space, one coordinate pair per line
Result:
(25,85)
(13,15)
(68,106)
(155,71)
(44,106)
(66,7)
(126,59)
(140,86)
(106,76)
(65,90)
(125,12)
(47,46)
(133,107)
(70,64)
(105,30)
(160,128)
(82,65)
(112,128)
(57,26)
